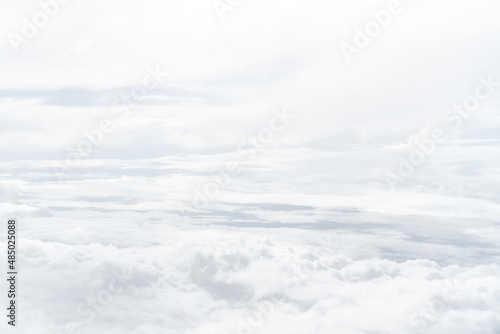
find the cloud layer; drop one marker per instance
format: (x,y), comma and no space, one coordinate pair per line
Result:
(196,167)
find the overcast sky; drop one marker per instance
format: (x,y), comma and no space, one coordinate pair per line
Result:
(225,75)
(318,166)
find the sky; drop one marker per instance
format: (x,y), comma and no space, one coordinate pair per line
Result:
(235,166)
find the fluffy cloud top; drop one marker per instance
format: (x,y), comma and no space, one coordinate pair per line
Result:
(228,167)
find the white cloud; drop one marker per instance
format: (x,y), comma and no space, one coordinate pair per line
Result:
(307,237)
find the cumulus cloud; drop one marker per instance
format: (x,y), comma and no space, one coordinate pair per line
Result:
(178,169)
(215,280)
